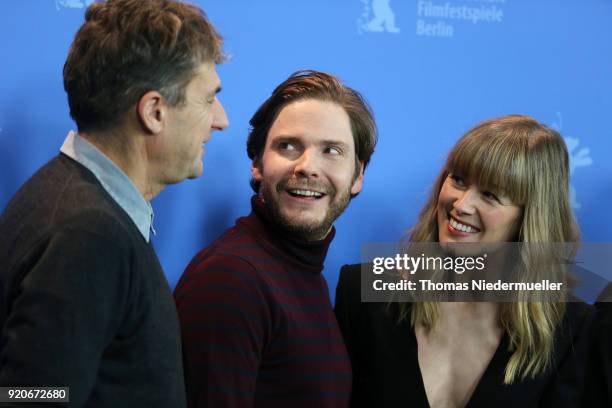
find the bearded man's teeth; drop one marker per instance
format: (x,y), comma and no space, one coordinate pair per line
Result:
(306,193)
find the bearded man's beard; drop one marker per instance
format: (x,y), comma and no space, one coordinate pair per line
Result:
(312,230)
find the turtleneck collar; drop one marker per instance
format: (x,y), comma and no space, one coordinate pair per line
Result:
(305,254)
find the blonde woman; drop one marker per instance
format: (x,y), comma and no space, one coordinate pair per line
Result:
(506,180)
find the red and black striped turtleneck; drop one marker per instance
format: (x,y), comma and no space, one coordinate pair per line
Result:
(257,324)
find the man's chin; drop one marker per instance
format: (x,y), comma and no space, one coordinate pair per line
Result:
(301,217)
(304,225)
(181,177)
(196,171)
(307,231)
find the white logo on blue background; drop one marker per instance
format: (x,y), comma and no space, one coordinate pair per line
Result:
(377,17)
(73,3)
(578,157)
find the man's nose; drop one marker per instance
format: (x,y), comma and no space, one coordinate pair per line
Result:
(307,165)
(220,121)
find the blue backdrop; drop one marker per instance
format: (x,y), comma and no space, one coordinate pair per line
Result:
(430,70)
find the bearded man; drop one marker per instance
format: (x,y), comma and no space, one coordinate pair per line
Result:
(257,324)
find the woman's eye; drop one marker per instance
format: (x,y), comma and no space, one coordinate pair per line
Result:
(491,196)
(457,180)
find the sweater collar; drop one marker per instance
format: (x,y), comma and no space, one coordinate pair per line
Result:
(305,254)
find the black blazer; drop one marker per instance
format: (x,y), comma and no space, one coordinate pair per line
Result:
(386,371)
(599,381)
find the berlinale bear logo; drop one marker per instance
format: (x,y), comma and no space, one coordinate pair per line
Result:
(377,17)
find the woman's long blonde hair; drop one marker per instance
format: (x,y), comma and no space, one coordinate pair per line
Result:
(529,163)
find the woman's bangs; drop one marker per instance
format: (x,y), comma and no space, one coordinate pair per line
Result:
(495,164)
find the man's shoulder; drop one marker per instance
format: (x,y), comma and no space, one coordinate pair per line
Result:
(228,248)
(63,193)
(61,200)
(237,242)
(233,257)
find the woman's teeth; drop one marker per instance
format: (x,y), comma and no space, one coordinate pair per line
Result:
(461,227)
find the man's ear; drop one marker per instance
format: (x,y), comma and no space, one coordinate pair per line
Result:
(358,182)
(256,172)
(152,111)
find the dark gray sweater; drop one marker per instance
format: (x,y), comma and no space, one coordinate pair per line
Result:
(83,299)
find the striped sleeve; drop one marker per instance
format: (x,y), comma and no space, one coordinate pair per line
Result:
(225,322)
